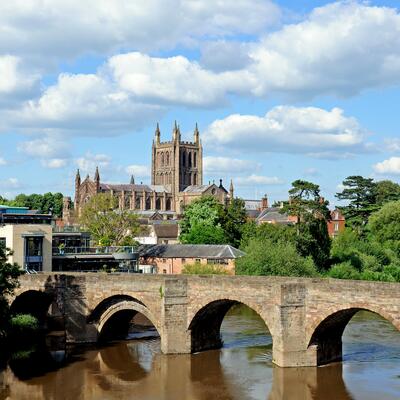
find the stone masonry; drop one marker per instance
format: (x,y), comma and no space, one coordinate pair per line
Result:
(306,317)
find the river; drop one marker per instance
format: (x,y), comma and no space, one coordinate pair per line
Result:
(241,370)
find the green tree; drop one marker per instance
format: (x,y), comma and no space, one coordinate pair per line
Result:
(384,225)
(45,203)
(9,274)
(234,220)
(108,225)
(360,193)
(386,191)
(204,234)
(312,213)
(266,257)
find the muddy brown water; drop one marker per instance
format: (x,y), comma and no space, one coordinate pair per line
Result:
(241,370)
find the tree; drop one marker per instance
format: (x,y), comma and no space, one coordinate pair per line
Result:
(312,214)
(204,234)
(108,225)
(204,269)
(384,224)
(233,221)
(44,203)
(9,274)
(386,191)
(360,193)
(265,257)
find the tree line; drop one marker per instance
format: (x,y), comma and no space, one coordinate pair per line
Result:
(368,248)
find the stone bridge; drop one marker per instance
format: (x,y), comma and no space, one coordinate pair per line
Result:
(305,317)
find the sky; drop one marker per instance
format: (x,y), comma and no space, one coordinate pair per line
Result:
(281,90)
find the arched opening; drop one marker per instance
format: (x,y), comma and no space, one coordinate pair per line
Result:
(190,160)
(158,204)
(122,317)
(194,179)
(168,205)
(342,330)
(184,159)
(148,203)
(195,159)
(162,159)
(167,159)
(228,323)
(35,303)
(137,203)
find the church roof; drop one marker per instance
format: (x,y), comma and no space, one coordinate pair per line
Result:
(197,188)
(117,187)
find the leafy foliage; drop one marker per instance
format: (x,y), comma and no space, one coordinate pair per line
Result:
(360,193)
(108,225)
(204,269)
(386,191)
(266,257)
(9,274)
(45,203)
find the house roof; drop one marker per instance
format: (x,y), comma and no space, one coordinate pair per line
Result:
(190,251)
(197,188)
(252,205)
(273,214)
(166,230)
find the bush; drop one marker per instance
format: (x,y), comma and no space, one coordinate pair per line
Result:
(265,257)
(344,270)
(24,323)
(204,269)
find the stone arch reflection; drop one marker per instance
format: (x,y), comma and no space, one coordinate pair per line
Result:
(326,339)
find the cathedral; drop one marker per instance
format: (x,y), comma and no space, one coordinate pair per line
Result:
(176,180)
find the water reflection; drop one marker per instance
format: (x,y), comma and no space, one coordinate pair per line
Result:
(241,370)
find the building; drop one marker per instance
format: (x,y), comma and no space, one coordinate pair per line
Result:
(171,258)
(336,224)
(29,235)
(176,180)
(160,233)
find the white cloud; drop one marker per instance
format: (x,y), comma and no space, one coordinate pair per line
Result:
(332,52)
(390,166)
(228,165)
(45,147)
(54,163)
(392,144)
(172,80)
(89,162)
(257,180)
(2,161)
(290,130)
(142,171)
(10,184)
(32,27)
(83,105)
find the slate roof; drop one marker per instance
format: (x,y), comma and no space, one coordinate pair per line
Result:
(166,230)
(197,188)
(190,251)
(133,188)
(272,214)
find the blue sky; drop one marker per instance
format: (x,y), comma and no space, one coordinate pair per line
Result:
(281,90)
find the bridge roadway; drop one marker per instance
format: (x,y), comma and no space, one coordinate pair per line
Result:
(306,317)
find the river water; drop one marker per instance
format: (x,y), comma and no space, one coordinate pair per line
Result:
(241,370)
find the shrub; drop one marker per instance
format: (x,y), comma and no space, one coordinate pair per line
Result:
(24,323)
(344,270)
(204,269)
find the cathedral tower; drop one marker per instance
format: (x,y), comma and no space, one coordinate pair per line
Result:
(177,163)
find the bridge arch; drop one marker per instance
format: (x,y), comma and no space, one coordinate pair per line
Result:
(119,310)
(206,320)
(325,335)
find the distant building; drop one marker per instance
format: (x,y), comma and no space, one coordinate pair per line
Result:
(29,235)
(160,233)
(336,224)
(176,180)
(171,259)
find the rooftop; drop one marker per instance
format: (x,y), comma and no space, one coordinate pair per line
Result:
(190,251)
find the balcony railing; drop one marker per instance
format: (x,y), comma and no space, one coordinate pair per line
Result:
(101,250)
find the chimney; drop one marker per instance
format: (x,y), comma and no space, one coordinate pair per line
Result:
(264,203)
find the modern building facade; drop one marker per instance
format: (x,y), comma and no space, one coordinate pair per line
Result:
(29,235)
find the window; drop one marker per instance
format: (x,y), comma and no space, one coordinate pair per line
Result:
(198,260)
(219,261)
(164,271)
(336,215)
(3,242)
(164,260)
(183,260)
(336,226)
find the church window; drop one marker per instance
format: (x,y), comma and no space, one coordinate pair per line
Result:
(137,203)
(127,201)
(158,204)
(190,160)
(168,205)
(162,159)
(194,179)
(184,159)
(195,160)
(148,203)
(167,163)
